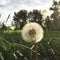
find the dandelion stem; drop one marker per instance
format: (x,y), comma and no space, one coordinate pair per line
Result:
(36,49)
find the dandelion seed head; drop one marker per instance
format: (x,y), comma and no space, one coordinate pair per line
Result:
(32,32)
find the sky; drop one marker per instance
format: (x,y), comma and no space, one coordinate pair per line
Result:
(24,4)
(9,6)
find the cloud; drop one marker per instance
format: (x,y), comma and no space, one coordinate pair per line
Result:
(27,4)
(16,5)
(57,0)
(4,2)
(9,6)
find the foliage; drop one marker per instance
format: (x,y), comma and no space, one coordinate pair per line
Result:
(13,47)
(35,16)
(20,18)
(23,16)
(48,23)
(55,15)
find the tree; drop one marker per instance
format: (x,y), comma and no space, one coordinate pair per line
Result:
(30,16)
(20,18)
(48,23)
(56,14)
(35,16)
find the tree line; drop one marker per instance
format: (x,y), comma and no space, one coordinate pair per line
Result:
(51,22)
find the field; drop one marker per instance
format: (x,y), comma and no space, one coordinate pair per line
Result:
(13,47)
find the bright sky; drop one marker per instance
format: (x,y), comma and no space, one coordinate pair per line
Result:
(9,6)
(25,4)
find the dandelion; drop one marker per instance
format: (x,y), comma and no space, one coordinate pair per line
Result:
(32,32)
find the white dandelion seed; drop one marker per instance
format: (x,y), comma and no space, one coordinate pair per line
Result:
(32,32)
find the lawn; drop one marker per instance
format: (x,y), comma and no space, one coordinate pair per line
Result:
(13,47)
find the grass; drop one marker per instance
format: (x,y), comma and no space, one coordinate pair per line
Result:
(12,46)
